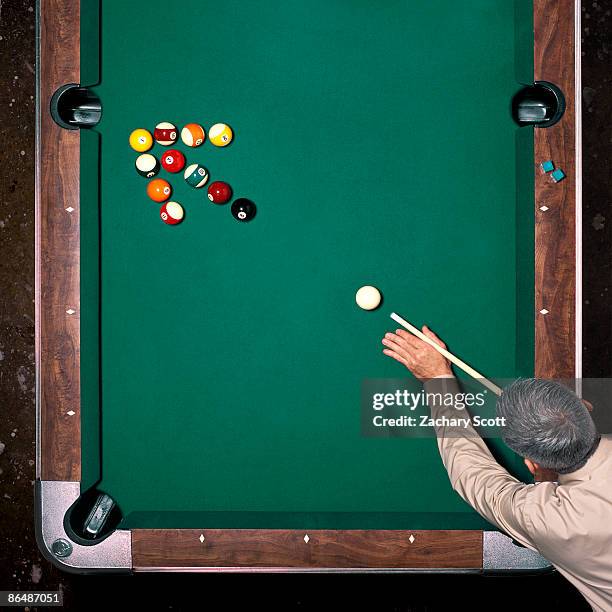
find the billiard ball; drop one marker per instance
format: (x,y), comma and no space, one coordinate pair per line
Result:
(219,192)
(368,297)
(196,175)
(147,165)
(159,190)
(220,134)
(171,213)
(193,135)
(141,140)
(173,160)
(243,209)
(165,133)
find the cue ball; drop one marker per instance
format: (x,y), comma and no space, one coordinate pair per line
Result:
(243,209)
(147,165)
(368,297)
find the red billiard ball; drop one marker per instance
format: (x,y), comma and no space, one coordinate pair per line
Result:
(173,160)
(165,133)
(219,192)
(171,213)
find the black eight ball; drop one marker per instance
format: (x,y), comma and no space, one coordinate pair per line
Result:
(243,209)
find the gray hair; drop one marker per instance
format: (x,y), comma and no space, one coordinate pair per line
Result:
(547,423)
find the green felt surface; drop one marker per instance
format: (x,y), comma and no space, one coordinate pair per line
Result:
(222,362)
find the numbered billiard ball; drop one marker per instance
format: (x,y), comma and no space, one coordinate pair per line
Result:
(141,140)
(243,209)
(193,135)
(147,165)
(165,133)
(219,192)
(171,213)
(196,175)
(159,190)
(173,160)
(220,134)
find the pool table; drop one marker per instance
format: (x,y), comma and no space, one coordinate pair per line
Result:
(198,385)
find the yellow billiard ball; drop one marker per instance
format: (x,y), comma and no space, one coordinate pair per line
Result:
(141,140)
(220,134)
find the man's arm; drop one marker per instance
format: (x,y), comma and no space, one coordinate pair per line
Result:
(475,474)
(473,471)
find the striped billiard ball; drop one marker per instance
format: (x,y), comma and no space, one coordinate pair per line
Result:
(193,135)
(171,213)
(165,133)
(220,134)
(147,165)
(196,175)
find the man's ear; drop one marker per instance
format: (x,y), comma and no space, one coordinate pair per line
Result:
(539,473)
(531,465)
(588,405)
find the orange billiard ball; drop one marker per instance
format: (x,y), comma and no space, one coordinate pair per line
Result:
(193,135)
(159,190)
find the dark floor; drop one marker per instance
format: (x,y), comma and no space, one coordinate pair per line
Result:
(597,187)
(21,566)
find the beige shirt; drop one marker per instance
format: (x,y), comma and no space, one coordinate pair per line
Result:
(568,522)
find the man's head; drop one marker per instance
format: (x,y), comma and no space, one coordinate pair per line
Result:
(547,424)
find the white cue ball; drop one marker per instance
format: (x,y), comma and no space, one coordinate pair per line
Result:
(368,297)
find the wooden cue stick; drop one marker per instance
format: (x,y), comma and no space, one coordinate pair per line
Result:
(460,364)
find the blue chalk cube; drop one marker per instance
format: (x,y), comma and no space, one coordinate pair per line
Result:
(558,175)
(547,166)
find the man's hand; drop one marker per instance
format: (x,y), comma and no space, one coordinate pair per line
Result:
(420,358)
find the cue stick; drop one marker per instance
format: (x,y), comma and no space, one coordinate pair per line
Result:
(460,364)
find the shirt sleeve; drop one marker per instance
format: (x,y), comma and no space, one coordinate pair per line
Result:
(475,474)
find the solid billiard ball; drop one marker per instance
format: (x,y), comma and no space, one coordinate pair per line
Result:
(147,165)
(165,133)
(220,134)
(141,140)
(159,190)
(193,135)
(219,192)
(173,160)
(196,175)
(243,209)
(368,297)
(171,213)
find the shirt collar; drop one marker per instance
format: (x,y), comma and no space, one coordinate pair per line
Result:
(602,452)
